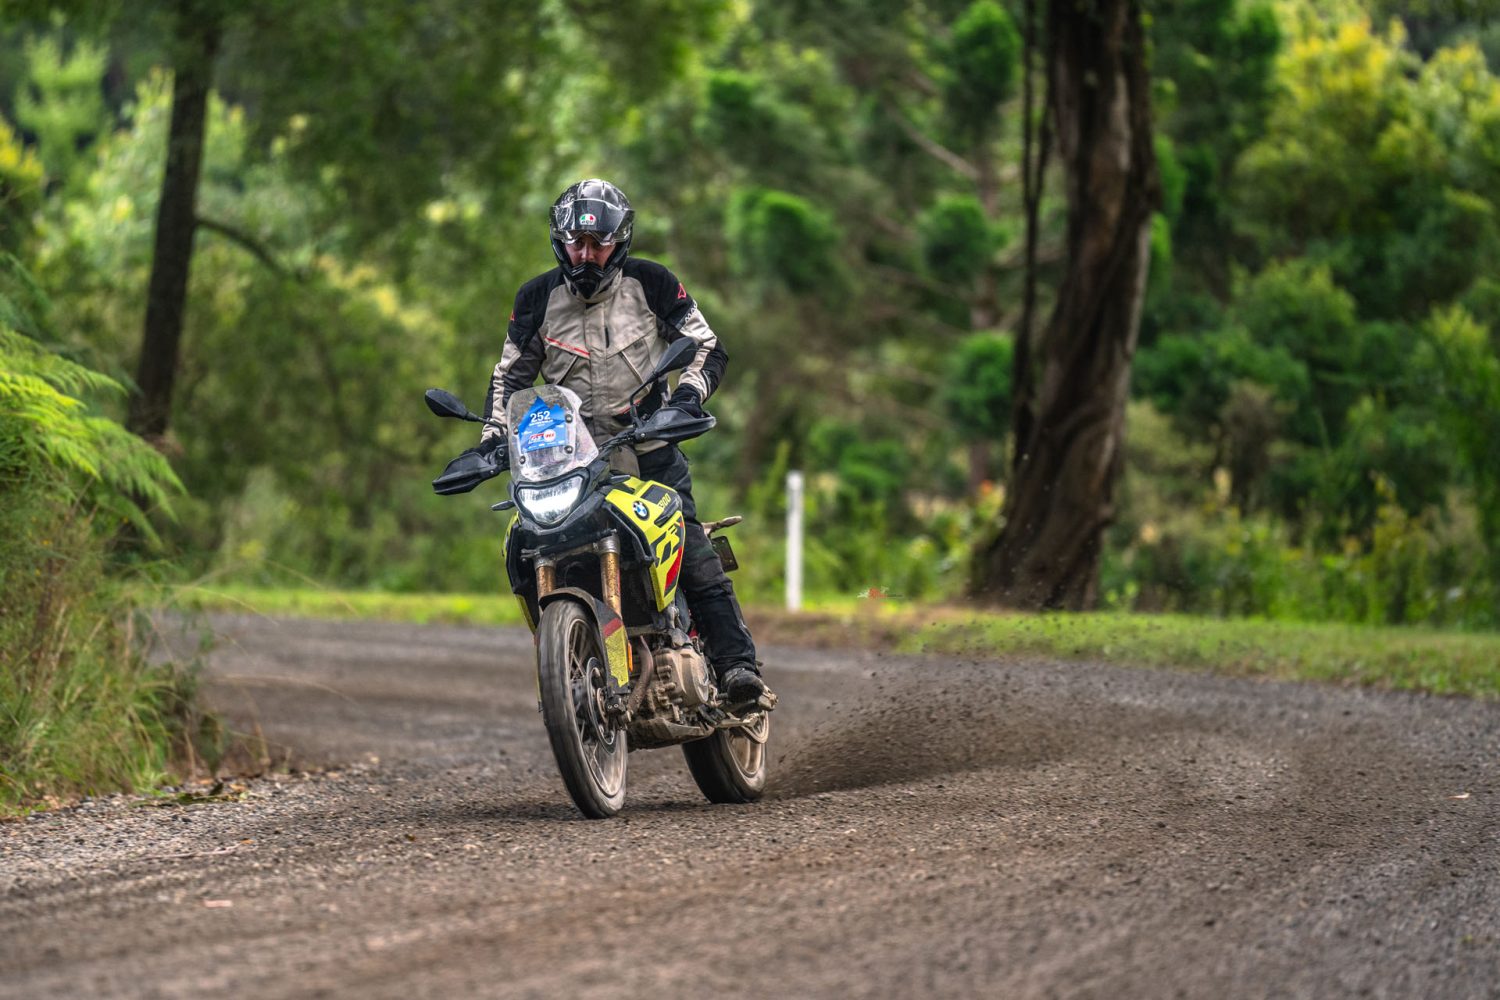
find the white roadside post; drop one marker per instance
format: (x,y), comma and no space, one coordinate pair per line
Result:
(794,541)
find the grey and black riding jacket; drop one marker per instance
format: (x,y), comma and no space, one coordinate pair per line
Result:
(603,346)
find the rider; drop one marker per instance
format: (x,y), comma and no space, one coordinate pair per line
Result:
(597,323)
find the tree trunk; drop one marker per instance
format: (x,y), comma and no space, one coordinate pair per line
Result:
(1061,496)
(1034,151)
(195,43)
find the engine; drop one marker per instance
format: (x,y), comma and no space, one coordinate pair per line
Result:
(682,681)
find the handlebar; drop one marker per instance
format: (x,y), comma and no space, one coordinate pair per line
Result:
(468,470)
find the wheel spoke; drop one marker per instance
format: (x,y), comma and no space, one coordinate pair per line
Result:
(589,746)
(602,753)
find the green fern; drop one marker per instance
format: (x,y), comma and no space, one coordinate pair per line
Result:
(21,298)
(81,708)
(46,426)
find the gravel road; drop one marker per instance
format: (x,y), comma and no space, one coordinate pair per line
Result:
(1016,828)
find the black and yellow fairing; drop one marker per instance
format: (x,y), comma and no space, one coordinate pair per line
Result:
(654,513)
(649,520)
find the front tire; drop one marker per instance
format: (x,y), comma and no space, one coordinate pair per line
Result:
(730,765)
(589,745)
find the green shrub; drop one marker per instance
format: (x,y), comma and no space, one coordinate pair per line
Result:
(1180,546)
(978,392)
(980,65)
(860,531)
(81,709)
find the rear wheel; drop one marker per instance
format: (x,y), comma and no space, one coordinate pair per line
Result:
(588,744)
(730,765)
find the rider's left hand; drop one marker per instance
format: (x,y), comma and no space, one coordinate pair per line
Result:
(686,399)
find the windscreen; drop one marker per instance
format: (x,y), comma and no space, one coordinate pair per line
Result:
(547,435)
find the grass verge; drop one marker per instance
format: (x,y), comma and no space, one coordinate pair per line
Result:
(1414,659)
(82,709)
(1448,663)
(451,609)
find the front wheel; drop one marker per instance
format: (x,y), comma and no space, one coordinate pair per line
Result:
(588,744)
(730,765)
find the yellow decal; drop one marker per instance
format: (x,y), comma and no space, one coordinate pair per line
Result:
(616,653)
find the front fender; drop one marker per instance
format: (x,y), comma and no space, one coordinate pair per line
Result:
(611,630)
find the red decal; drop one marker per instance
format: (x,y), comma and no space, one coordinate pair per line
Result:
(612,626)
(672,573)
(512,315)
(681,292)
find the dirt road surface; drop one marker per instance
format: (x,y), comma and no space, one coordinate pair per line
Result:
(936,828)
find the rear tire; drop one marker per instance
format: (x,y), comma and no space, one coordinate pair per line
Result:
(730,765)
(589,746)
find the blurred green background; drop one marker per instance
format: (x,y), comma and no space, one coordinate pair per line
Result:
(1316,395)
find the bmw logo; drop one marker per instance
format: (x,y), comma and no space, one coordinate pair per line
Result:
(640,510)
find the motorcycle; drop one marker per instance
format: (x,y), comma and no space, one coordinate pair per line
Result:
(594,556)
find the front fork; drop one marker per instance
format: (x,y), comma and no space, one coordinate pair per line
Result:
(609,571)
(608,550)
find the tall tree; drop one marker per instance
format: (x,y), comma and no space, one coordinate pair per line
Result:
(198,27)
(1068,459)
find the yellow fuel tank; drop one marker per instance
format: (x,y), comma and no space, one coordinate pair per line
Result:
(655,511)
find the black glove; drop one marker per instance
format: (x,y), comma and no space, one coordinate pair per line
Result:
(684,406)
(687,399)
(472,467)
(491,449)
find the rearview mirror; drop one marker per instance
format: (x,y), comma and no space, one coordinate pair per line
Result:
(678,355)
(445,404)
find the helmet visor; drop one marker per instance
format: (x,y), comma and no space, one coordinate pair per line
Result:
(570,237)
(606,223)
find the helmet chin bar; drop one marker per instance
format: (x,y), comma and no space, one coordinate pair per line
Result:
(586,278)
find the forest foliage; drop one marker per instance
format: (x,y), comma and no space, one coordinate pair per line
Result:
(81,709)
(1315,425)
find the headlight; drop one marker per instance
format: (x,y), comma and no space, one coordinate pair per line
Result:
(550,504)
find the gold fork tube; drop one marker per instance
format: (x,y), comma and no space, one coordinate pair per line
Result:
(546,577)
(609,569)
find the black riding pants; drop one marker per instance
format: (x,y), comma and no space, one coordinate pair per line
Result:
(710,595)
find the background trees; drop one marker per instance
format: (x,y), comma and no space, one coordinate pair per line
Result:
(841,188)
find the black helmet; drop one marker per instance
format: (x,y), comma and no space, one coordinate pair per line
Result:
(601,210)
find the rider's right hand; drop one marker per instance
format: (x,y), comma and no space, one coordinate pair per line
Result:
(492,450)
(471,468)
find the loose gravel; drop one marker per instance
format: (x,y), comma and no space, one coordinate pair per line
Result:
(935,827)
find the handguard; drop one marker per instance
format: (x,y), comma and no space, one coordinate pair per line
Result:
(466,472)
(672,424)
